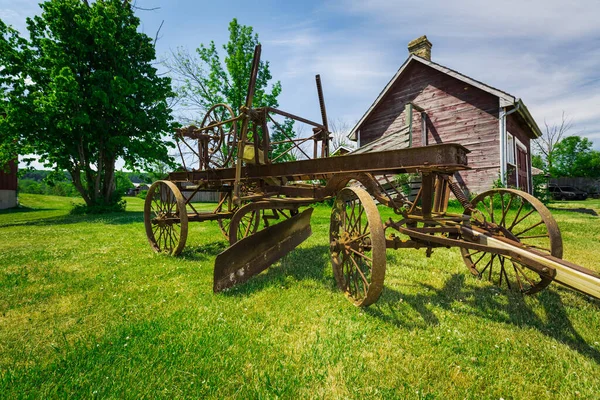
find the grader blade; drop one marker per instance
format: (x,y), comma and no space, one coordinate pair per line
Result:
(253,254)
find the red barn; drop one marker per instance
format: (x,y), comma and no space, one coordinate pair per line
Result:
(8,186)
(426,103)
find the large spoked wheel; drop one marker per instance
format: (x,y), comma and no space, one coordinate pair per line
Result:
(220,138)
(357,245)
(518,216)
(165,218)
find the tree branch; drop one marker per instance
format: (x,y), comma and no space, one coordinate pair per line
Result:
(158,31)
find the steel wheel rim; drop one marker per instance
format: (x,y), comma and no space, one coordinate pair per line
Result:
(520,217)
(357,246)
(165,218)
(224,223)
(244,222)
(223,141)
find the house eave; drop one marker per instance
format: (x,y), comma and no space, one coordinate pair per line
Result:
(506,99)
(526,115)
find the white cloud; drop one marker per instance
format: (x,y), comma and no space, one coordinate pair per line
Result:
(15,12)
(545,52)
(474,18)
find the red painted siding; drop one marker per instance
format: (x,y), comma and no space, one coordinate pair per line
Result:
(8,179)
(517,127)
(457,113)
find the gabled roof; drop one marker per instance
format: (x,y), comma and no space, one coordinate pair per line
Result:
(506,99)
(343,147)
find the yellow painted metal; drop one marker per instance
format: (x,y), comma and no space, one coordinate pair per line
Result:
(578,278)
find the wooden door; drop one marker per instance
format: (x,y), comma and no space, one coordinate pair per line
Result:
(522,169)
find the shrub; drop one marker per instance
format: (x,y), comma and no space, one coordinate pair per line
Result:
(102,208)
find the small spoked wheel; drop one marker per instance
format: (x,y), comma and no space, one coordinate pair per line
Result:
(520,217)
(244,223)
(357,246)
(273,216)
(225,205)
(165,218)
(224,226)
(220,137)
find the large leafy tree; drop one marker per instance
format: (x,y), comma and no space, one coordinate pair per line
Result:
(574,157)
(12,87)
(204,80)
(82,92)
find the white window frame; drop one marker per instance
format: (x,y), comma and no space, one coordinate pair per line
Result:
(527,169)
(511,149)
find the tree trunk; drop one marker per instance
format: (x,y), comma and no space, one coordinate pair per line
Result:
(76,178)
(109,180)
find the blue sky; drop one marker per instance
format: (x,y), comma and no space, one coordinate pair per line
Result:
(545,52)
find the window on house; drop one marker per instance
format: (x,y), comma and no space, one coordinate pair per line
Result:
(510,149)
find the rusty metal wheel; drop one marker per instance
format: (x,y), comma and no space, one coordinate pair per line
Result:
(165,218)
(256,216)
(224,226)
(225,205)
(520,217)
(357,246)
(244,222)
(274,215)
(222,138)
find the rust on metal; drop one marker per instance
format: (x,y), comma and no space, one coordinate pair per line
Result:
(504,235)
(253,254)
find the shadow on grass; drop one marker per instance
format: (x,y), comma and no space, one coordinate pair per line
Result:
(118,218)
(23,209)
(204,251)
(484,302)
(490,303)
(579,210)
(304,263)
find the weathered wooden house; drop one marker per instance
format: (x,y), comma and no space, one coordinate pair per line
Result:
(8,186)
(426,103)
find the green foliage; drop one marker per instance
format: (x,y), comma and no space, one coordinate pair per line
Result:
(142,194)
(122,183)
(574,157)
(283,152)
(157,171)
(103,208)
(82,92)
(39,182)
(205,80)
(12,88)
(402,181)
(540,188)
(30,186)
(538,162)
(499,183)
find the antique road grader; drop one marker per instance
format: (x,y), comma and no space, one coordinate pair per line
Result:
(504,235)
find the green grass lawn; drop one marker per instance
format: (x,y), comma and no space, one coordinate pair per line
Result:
(88,310)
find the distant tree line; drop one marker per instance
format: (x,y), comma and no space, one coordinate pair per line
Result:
(561,154)
(60,183)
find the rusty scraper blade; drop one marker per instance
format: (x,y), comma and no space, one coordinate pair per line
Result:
(253,254)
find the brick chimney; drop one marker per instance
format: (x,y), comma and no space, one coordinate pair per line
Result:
(420,47)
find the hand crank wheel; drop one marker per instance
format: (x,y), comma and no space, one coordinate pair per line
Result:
(220,138)
(357,246)
(165,218)
(518,216)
